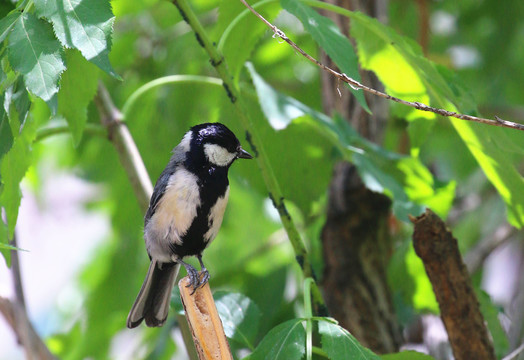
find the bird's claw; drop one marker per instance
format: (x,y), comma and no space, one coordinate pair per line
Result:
(198,279)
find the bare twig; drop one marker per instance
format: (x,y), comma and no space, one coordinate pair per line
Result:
(17,275)
(357,85)
(514,353)
(16,316)
(26,335)
(477,255)
(119,134)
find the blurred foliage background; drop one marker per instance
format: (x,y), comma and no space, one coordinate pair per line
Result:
(471,175)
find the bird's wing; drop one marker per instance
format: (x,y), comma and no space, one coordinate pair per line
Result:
(179,156)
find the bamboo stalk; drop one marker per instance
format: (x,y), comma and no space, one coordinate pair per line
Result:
(204,322)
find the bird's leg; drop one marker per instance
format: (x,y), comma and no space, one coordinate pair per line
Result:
(194,278)
(203,271)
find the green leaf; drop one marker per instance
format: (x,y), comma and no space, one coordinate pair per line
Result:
(85,25)
(407,355)
(6,136)
(12,169)
(284,342)
(240,317)
(406,73)
(497,166)
(7,24)
(73,99)
(328,36)
(338,343)
(407,276)
(35,52)
(491,315)
(404,178)
(235,29)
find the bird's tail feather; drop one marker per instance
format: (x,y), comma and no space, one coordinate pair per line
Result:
(152,302)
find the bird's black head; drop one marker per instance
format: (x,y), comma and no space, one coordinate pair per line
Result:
(215,144)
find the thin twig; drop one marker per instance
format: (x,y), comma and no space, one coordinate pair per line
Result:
(514,353)
(357,85)
(17,275)
(15,314)
(26,335)
(119,135)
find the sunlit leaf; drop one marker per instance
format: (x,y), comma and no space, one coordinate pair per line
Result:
(403,178)
(284,342)
(328,36)
(406,73)
(338,343)
(240,317)
(85,25)
(35,52)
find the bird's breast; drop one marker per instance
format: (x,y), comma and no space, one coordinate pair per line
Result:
(216,214)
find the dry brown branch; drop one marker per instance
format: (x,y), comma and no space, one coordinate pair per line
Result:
(357,85)
(459,307)
(204,322)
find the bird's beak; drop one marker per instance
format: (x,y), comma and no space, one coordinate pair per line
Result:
(243,154)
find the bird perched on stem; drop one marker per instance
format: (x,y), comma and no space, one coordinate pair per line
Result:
(184,215)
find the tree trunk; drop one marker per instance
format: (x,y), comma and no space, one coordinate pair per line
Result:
(355,238)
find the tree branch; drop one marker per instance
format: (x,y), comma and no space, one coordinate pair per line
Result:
(119,135)
(459,307)
(357,85)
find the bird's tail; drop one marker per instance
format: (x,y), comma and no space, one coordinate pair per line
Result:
(152,302)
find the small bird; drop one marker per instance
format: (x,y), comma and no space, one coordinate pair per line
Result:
(184,215)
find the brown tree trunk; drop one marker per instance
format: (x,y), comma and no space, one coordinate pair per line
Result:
(355,238)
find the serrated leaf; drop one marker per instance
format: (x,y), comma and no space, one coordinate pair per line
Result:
(240,317)
(283,342)
(407,355)
(328,36)
(35,52)
(86,25)
(7,23)
(12,169)
(404,178)
(338,343)
(73,99)
(246,32)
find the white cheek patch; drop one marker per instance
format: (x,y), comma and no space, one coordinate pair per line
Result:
(218,155)
(178,206)
(215,216)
